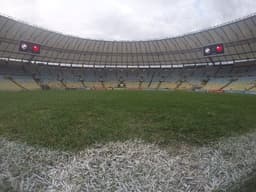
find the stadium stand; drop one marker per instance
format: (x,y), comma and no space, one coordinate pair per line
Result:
(26,82)
(242,84)
(67,62)
(7,85)
(215,84)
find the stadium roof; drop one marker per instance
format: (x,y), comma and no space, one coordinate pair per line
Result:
(238,37)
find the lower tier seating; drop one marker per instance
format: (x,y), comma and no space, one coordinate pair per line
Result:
(207,78)
(7,85)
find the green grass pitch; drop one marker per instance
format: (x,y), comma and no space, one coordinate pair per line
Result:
(72,120)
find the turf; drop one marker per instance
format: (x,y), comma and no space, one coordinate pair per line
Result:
(72,120)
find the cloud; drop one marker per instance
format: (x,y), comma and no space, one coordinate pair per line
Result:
(126,19)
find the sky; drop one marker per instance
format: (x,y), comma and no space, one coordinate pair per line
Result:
(126,19)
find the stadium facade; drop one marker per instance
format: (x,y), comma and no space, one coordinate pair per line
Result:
(67,62)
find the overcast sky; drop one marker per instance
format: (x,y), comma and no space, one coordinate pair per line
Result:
(126,19)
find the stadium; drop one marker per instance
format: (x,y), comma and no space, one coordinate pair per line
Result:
(178,63)
(112,112)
